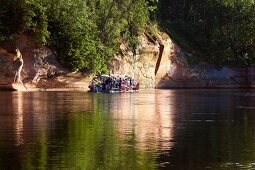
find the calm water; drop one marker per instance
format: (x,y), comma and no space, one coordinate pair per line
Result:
(154,129)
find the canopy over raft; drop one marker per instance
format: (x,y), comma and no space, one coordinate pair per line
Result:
(113,84)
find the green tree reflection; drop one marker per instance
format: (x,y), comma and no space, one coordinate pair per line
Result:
(88,140)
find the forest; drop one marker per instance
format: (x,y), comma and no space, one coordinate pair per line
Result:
(87,33)
(221,32)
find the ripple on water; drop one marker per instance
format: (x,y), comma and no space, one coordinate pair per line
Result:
(237,165)
(245,107)
(161,129)
(204,113)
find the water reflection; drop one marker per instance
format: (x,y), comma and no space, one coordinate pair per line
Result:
(19,119)
(154,129)
(150,118)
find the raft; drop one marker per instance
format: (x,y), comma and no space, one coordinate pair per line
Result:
(114,91)
(113,84)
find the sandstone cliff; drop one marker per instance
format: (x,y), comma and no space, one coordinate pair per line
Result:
(41,69)
(163,64)
(159,63)
(148,64)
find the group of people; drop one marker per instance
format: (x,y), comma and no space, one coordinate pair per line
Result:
(107,83)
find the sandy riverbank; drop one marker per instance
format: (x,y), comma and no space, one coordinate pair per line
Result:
(28,87)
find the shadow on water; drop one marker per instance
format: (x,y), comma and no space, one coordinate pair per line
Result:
(152,129)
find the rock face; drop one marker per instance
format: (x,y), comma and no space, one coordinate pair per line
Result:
(141,64)
(163,64)
(41,68)
(181,74)
(156,63)
(202,76)
(7,72)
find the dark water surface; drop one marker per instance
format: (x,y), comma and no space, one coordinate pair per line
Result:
(152,129)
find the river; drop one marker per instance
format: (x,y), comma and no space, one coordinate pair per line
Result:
(151,129)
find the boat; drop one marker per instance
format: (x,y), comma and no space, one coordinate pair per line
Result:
(113,84)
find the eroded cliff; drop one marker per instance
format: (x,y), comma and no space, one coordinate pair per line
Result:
(158,63)
(163,64)
(41,68)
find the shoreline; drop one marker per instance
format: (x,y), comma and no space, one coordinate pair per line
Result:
(28,88)
(23,88)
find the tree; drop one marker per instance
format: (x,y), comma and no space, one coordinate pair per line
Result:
(85,33)
(221,30)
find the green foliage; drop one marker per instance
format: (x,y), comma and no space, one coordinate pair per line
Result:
(85,33)
(35,18)
(220,32)
(6,16)
(23,16)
